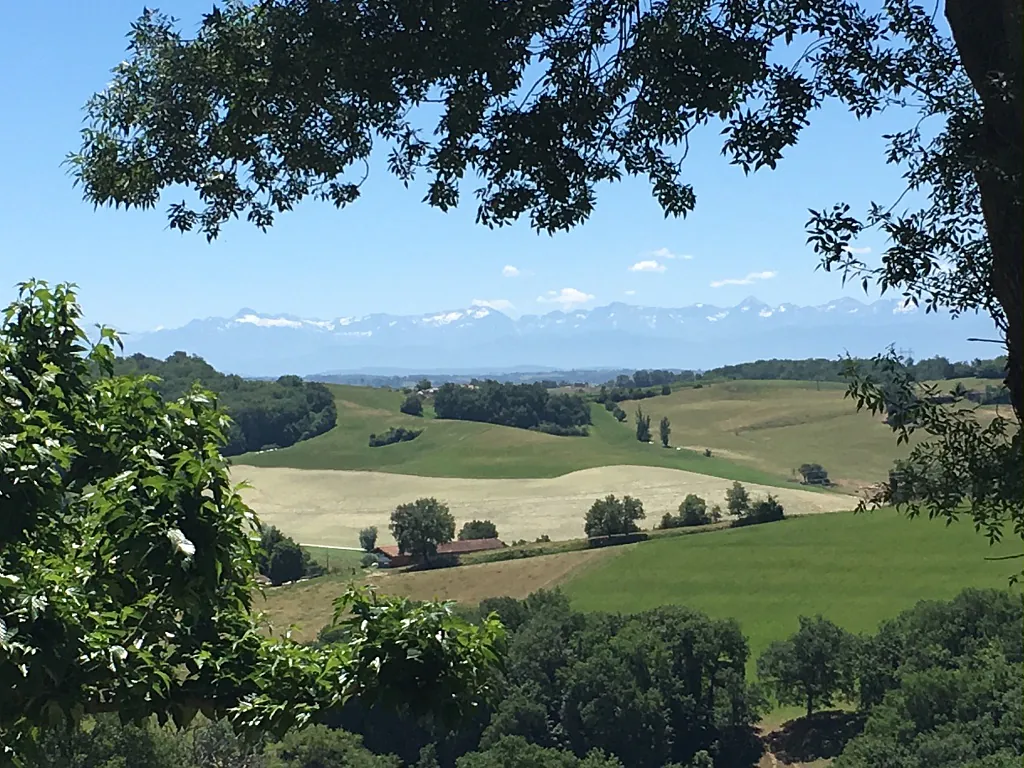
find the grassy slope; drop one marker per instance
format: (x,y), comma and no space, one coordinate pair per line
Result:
(761,430)
(855,569)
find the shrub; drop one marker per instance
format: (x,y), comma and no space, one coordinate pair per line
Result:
(707,452)
(560,431)
(394,435)
(286,563)
(478,529)
(766,510)
(619,414)
(666,389)
(368,560)
(368,538)
(609,405)
(412,405)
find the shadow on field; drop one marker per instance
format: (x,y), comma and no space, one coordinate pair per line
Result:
(820,736)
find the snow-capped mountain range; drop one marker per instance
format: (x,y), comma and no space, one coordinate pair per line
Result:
(617,335)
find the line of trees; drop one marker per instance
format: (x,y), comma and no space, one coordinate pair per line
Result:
(526,406)
(265,414)
(394,435)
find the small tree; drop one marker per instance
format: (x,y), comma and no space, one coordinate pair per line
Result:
(423,385)
(478,529)
(318,745)
(814,474)
(368,538)
(693,511)
(609,516)
(643,426)
(666,389)
(813,666)
(286,562)
(420,527)
(737,500)
(664,430)
(412,405)
(619,414)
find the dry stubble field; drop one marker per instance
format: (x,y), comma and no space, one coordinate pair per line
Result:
(329,507)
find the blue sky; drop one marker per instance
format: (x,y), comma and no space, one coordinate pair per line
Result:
(389,252)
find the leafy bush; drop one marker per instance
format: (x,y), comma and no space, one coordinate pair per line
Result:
(609,516)
(555,429)
(412,405)
(368,560)
(478,529)
(281,559)
(394,435)
(766,510)
(264,414)
(666,389)
(368,538)
(619,414)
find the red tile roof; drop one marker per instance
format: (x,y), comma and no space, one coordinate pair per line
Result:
(452,547)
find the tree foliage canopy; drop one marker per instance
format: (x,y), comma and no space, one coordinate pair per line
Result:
(274,102)
(610,516)
(421,526)
(127,562)
(263,413)
(526,406)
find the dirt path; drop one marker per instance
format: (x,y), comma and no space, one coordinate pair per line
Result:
(330,506)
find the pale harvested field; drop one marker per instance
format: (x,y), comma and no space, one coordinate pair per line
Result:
(330,506)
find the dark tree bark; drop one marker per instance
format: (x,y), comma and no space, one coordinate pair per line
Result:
(988,35)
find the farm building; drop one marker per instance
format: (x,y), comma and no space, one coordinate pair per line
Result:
(390,557)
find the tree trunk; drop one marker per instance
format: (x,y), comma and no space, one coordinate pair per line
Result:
(988,35)
(810,705)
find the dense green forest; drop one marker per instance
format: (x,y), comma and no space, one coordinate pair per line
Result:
(526,406)
(822,369)
(265,414)
(938,685)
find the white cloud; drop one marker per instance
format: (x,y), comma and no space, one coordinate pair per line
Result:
(748,279)
(502,305)
(857,251)
(665,253)
(630,293)
(509,271)
(566,298)
(650,265)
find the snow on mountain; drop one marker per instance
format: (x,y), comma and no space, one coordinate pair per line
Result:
(617,335)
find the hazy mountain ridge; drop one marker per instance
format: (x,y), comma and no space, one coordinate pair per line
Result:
(617,335)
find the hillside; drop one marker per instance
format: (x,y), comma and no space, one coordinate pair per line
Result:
(855,569)
(758,432)
(281,412)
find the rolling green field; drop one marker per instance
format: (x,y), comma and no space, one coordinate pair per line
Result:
(758,431)
(854,569)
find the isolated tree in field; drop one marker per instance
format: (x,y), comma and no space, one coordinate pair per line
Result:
(666,389)
(737,500)
(478,529)
(286,563)
(423,384)
(368,538)
(664,431)
(813,666)
(127,563)
(412,405)
(693,511)
(212,114)
(643,426)
(814,474)
(421,527)
(609,516)
(619,414)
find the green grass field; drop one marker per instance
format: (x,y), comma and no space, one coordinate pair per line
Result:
(758,431)
(854,569)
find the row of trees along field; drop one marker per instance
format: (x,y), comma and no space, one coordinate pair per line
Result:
(265,414)
(939,685)
(526,406)
(816,369)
